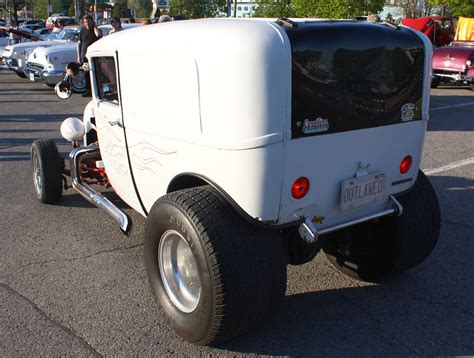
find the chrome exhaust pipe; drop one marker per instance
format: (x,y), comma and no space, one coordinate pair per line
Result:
(92,196)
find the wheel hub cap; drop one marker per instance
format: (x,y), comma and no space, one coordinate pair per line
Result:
(36,174)
(178,271)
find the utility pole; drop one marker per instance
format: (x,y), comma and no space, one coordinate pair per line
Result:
(235,8)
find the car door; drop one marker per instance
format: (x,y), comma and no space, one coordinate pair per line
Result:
(110,129)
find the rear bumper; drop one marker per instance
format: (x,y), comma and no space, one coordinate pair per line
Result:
(311,234)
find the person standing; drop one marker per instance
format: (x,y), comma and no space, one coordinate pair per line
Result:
(116,24)
(89,34)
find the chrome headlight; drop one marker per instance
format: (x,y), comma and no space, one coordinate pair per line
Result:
(468,63)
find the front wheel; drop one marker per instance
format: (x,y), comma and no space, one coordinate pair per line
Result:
(374,251)
(47,171)
(20,74)
(214,275)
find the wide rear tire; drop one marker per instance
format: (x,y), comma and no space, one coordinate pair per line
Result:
(225,278)
(378,250)
(47,171)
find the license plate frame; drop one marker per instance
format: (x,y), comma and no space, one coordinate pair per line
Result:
(362,191)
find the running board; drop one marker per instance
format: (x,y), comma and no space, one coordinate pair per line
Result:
(92,196)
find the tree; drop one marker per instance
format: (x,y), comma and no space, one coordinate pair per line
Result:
(142,7)
(195,9)
(269,8)
(66,7)
(456,7)
(337,9)
(120,9)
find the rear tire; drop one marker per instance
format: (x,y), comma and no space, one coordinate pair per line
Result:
(47,167)
(375,251)
(240,270)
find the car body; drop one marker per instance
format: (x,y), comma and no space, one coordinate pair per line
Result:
(47,64)
(248,153)
(67,20)
(438,29)
(14,56)
(465,29)
(32,22)
(454,63)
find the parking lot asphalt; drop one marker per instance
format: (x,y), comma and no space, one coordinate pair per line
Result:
(72,284)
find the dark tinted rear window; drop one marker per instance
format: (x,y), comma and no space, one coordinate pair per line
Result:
(348,76)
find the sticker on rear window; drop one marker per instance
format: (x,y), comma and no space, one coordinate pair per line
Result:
(315,126)
(408,112)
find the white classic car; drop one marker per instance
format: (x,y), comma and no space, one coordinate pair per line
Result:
(14,56)
(248,153)
(47,64)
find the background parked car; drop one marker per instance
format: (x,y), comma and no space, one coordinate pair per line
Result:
(13,56)
(47,64)
(454,63)
(440,30)
(67,21)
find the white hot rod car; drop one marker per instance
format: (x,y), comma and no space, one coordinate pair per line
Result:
(253,144)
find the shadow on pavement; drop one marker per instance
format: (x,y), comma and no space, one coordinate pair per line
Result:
(427,311)
(36,118)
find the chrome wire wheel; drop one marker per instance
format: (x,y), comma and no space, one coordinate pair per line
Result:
(37,174)
(179,272)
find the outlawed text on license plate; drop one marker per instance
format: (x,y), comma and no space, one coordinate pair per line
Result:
(362,191)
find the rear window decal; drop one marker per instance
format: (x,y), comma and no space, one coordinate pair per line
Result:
(408,112)
(315,126)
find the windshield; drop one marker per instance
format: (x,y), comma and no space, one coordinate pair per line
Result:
(68,34)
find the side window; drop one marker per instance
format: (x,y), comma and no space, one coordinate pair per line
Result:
(106,78)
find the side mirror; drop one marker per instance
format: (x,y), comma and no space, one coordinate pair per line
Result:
(63,90)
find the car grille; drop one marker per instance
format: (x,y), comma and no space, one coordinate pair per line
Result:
(447,72)
(33,67)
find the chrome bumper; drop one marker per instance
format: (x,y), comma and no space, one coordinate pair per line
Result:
(48,77)
(454,76)
(311,234)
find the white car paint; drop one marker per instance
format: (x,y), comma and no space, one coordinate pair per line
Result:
(227,117)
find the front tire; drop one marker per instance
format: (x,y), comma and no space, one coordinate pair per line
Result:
(214,275)
(375,251)
(47,171)
(20,74)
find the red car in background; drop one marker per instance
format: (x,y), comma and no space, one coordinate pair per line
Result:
(439,29)
(455,63)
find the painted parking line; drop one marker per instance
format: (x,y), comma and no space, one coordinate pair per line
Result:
(453,165)
(453,106)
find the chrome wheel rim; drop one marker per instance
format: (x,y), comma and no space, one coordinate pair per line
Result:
(37,174)
(178,271)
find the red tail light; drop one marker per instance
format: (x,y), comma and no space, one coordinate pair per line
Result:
(405,165)
(300,187)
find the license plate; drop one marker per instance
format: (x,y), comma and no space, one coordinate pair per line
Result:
(362,191)
(32,76)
